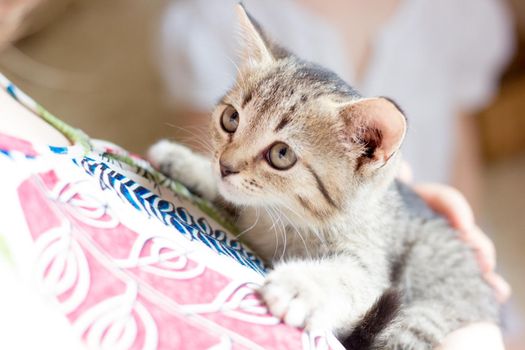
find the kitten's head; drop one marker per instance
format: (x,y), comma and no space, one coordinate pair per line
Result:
(292,135)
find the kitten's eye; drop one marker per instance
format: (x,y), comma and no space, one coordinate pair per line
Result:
(230,119)
(280,156)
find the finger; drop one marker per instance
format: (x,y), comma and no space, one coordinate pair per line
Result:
(484,248)
(486,256)
(480,336)
(501,287)
(448,202)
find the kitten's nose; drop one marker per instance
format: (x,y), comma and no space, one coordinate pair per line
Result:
(226,169)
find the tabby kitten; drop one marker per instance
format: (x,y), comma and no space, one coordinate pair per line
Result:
(311,164)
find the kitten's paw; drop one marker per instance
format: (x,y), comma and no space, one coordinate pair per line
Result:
(169,158)
(293,295)
(182,164)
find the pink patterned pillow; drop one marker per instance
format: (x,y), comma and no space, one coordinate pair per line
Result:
(134,260)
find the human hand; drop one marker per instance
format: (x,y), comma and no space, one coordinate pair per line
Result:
(450,203)
(479,336)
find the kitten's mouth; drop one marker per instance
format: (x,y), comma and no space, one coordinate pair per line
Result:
(227,187)
(225,183)
(234,193)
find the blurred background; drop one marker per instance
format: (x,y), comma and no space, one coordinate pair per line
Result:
(134,71)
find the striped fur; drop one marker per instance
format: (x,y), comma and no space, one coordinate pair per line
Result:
(340,232)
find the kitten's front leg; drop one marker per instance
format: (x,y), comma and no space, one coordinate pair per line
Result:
(179,162)
(329,294)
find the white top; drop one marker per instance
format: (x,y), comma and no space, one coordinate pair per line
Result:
(434,58)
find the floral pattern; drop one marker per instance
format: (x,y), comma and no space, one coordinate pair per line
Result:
(133,259)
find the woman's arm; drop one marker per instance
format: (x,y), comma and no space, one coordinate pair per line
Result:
(15,120)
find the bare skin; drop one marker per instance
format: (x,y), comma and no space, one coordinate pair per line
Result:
(19,122)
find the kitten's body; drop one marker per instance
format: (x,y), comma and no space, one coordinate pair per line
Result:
(338,230)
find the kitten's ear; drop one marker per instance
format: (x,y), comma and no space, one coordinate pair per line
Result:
(258,47)
(378,125)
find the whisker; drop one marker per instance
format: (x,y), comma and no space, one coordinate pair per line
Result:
(282,231)
(285,237)
(198,137)
(252,226)
(192,141)
(240,77)
(319,236)
(197,127)
(187,130)
(299,234)
(275,231)
(197,144)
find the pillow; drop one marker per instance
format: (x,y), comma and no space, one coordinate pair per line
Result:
(131,258)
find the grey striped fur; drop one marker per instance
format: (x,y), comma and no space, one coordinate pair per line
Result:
(337,228)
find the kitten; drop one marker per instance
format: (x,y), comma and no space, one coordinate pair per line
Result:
(311,164)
